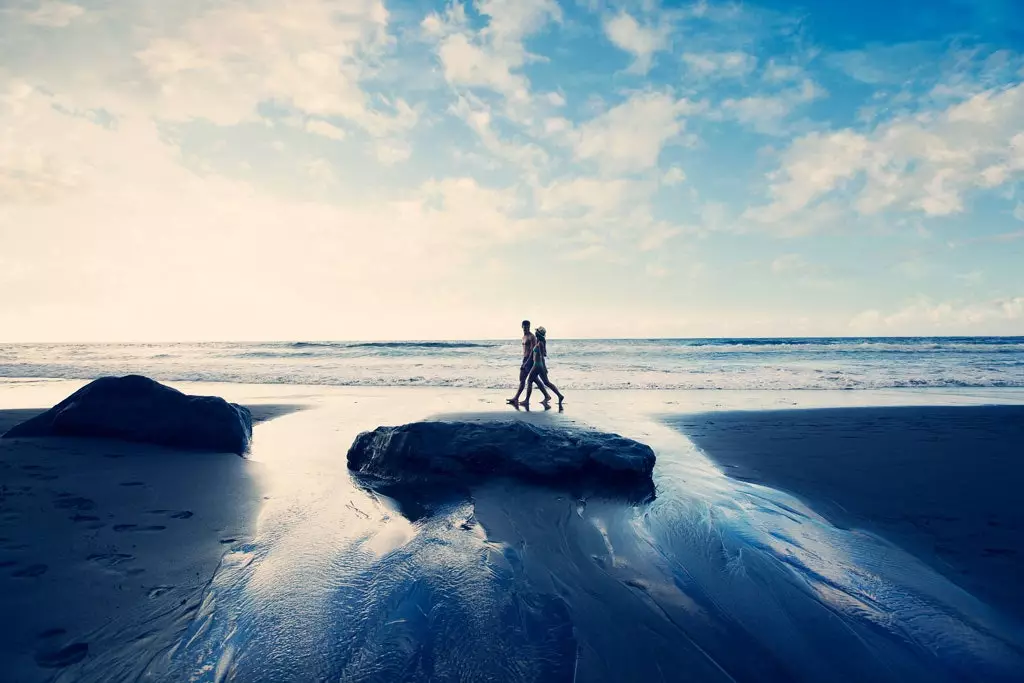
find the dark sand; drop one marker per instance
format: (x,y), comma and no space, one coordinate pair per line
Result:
(107,545)
(944,483)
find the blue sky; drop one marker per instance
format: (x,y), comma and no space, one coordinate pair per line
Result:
(248,169)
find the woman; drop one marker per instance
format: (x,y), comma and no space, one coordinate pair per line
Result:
(539,373)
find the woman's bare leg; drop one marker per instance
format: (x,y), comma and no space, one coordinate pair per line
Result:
(533,379)
(553,388)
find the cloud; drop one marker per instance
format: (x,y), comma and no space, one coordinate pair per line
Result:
(312,56)
(139,246)
(1018,211)
(479,117)
(629,137)
(325,129)
(641,41)
(884,64)
(390,152)
(926,163)
(53,14)
(733,64)
(555,99)
(924,317)
(658,236)
(492,56)
(598,197)
(673,176)
(775,72)
(320,171)
(766,113)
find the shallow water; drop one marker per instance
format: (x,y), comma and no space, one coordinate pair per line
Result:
(713,580)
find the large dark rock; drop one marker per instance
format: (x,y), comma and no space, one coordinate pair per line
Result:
(136,408)
(459,452)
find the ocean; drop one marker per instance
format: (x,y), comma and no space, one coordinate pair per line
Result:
(744,364)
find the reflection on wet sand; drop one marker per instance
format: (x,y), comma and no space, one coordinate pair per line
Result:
(722,579)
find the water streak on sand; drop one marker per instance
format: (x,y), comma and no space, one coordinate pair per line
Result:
(718,578)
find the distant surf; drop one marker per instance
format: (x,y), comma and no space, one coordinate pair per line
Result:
(839,363)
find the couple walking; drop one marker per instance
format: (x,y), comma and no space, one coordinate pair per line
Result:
(534,369)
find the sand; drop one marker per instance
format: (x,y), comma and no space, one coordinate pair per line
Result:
(327,580)
(104,543)
(942,482)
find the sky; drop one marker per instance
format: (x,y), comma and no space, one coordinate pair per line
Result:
(368,169)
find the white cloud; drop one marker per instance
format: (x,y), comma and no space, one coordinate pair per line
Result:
(471,65)
(766,113)
(320,171)
(673,176)
(599,196)
(312,56)
(325,129)
(925,163)
(629,137)
(556,124)
(390,152)
(490,57)
(884,64)
(924,317)
(479,118)
(1018,212)
(641,41)
(53,14)
(780,73)
(720,64)
(134,220)
(658,236)
(555,99)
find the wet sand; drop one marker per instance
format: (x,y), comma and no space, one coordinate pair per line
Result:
(328,580)
(107,546)
(942,482)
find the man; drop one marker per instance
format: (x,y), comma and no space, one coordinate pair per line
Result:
(529,341)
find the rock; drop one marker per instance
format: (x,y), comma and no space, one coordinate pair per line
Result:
(136,408)
(459,452)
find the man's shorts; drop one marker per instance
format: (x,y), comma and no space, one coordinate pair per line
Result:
(524,371)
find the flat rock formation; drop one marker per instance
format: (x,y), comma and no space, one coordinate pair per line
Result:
(462,452)
(136,408)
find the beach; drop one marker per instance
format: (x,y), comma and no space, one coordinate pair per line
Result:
(287,568)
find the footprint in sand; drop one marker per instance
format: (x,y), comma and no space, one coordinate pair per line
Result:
(110,559)
(74,503)
(58,659)
(31,571)
(84,518)
(173,514)
(157,591)
(135,527)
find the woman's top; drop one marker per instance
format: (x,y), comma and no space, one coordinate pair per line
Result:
(538,356)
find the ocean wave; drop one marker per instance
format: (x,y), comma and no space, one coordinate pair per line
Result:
(632,364)
(420,345)
(699,380)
